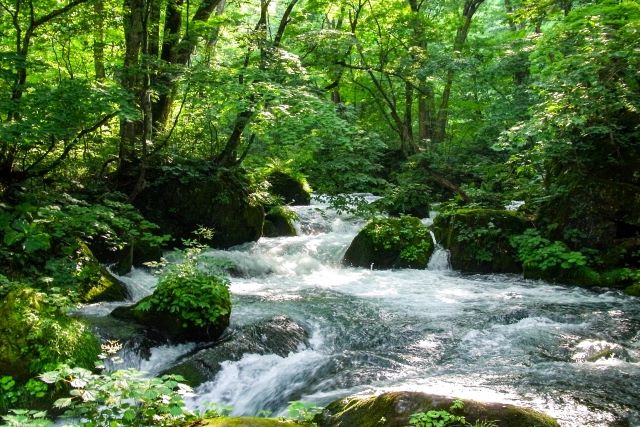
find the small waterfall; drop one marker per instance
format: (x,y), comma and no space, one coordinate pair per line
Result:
(440,258)
(139,282)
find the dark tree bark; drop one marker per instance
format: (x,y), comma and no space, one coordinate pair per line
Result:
(98,39)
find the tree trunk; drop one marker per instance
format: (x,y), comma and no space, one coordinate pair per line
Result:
(98,39)
(130,130)
(470,8)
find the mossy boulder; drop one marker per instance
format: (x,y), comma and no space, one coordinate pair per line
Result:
(79,270)
(279,335)
(293,189)
(244,422)
(36,334)
(182,198)
(278,222)
(395,408)
(391,243)
(187,305)
(633,290)
(478,239)
(580,275)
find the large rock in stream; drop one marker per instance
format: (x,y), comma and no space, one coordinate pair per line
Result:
(394,409)
(182,198)
(391,243)
(294,190)
(478,239)
(279,335)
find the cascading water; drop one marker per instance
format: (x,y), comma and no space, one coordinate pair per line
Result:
(569,352)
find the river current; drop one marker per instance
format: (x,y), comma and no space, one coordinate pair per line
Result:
(569,352)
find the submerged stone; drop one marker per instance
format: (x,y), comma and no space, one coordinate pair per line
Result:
(395,408)
(279,335)
(391,243)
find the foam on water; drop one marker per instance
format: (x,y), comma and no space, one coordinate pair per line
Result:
(486,337)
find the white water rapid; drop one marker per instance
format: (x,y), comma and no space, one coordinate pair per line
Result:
(569,352)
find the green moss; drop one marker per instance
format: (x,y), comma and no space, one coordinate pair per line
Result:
(292,187)
(81,273)
(391,243)
(478,239)
(633,290)
(181,198)
(279,222)
(394,409)
(36,334)
(244,422)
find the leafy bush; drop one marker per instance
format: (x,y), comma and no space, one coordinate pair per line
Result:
(33,233)
(302,411)
(123,397)
(410,199)
(196,297)
(36,335)
(445,418)
(539,253)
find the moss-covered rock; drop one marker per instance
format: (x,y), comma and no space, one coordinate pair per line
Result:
(182,198)
(633,290)
(79,271)
(36,334)
(391,243)
(279,222)
(579,275)
(244,422)
(394,409)
(294,190)
(187,305)
(279,335)
(478,239)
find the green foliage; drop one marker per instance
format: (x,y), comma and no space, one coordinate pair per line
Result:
(410,199)
(26,418)
(353,204)
(51,231)
(196,297)
(404,233)
(123,397)
(302,411)
(445,418)
(36,335)
(539,253)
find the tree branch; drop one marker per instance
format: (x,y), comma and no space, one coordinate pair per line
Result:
(51,15)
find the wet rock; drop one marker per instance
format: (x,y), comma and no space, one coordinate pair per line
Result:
(394,409)
(279,335)
(135,339)
(278,223)
(478,239)
(170,325)
(244,422)
(633,290)
(293,190)
(391,243)
(593,351)
(80,271)
(182,198)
